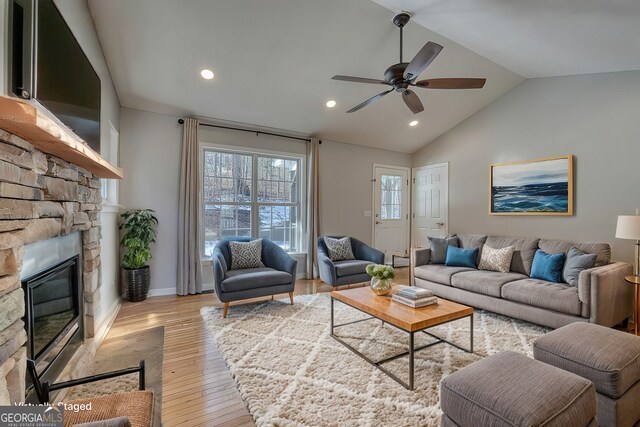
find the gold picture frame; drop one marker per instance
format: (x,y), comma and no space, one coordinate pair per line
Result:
(532,187)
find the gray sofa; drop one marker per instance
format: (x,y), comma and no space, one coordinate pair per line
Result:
(601,297)
(351,271)
(277,277)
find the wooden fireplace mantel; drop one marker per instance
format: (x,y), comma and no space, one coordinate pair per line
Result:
(44,132)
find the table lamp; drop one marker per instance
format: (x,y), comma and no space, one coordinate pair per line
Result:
(629,228)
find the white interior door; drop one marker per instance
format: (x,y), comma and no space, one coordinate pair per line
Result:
(391,211)
(430,203)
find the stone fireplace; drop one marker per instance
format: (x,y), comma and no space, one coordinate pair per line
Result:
(41,197)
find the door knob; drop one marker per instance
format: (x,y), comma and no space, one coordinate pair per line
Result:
(378,222)
(440,224)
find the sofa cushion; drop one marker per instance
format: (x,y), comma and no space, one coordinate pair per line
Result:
(458,257)
(608,358)
(522,256)
(467,241)
(602,250)
(547,267)
(438,248)
(576,262)
(354,266)
(252,278)
(484,282)
(438,273)
(510,389)
(540,293)
(496,259)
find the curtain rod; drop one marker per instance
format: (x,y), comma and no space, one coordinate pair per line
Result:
(257,132)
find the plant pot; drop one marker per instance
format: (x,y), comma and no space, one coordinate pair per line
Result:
(135,282)
(380,286)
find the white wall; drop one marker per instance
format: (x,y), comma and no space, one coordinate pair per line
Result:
(346,189)
(594,117)
(77,16)
(150,154)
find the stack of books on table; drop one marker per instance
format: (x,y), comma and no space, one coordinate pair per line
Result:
(415,297)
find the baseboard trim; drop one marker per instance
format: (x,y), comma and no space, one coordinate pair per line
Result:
(110,317)
(161,292)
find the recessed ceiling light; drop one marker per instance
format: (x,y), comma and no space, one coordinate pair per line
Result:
(206,74)
(413,123)
(331,103)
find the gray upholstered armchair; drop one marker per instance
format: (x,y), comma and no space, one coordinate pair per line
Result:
(277,277)
(351,271)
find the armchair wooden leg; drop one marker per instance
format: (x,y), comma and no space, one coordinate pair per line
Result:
(226,309)
(291,297)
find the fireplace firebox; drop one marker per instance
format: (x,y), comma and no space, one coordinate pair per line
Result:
(53,315)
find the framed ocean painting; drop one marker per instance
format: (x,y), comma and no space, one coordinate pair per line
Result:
(532,187)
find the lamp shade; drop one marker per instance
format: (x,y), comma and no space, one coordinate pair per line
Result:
(628,227)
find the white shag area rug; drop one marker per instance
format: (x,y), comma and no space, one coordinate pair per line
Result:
(291,372)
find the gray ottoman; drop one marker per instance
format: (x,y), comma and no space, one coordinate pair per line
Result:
(509,389)
(608,358)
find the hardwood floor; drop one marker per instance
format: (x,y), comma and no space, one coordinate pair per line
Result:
(198,389)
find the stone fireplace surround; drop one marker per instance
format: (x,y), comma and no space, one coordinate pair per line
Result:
(41,197)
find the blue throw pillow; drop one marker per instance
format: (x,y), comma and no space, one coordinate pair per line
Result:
(547,267)
(458,257)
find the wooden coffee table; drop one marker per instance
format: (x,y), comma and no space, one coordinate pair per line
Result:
(407,319)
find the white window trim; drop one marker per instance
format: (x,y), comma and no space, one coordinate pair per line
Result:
(110,187)
(204,146)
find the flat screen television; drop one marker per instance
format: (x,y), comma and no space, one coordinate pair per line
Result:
(49,66)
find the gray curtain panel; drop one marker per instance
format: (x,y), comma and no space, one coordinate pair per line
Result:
(313,206)
(189,262)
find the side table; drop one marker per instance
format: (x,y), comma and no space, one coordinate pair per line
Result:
(635,280)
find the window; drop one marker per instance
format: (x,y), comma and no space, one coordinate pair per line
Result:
(109,187)
(391,196)
(251,194)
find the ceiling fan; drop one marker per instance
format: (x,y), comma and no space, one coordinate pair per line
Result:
(403,75)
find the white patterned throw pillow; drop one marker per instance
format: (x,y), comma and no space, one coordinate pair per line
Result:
(339,249)
(246,254)
(496,259)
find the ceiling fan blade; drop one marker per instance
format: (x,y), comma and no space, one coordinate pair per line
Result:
(369,101)
(360,80)
(422,60)
(455,83)
(413,102)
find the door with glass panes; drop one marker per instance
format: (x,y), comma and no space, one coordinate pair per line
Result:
(391,211)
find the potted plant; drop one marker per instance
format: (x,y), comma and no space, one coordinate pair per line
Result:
(381,277)
(139,227)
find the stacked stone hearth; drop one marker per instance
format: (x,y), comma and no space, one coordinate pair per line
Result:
(41,197)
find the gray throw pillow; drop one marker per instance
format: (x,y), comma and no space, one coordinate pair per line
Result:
(438,248)
(576,262)
(246,254)
(339,249)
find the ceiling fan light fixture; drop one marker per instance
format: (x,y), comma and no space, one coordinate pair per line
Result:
(206,74)
(413,123)
(331,103)
(403,75)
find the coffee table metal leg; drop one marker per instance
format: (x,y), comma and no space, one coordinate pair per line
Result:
(331,316)
(411,367)
(471,333)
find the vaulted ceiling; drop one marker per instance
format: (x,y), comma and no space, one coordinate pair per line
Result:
(273,60)
(538,38)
